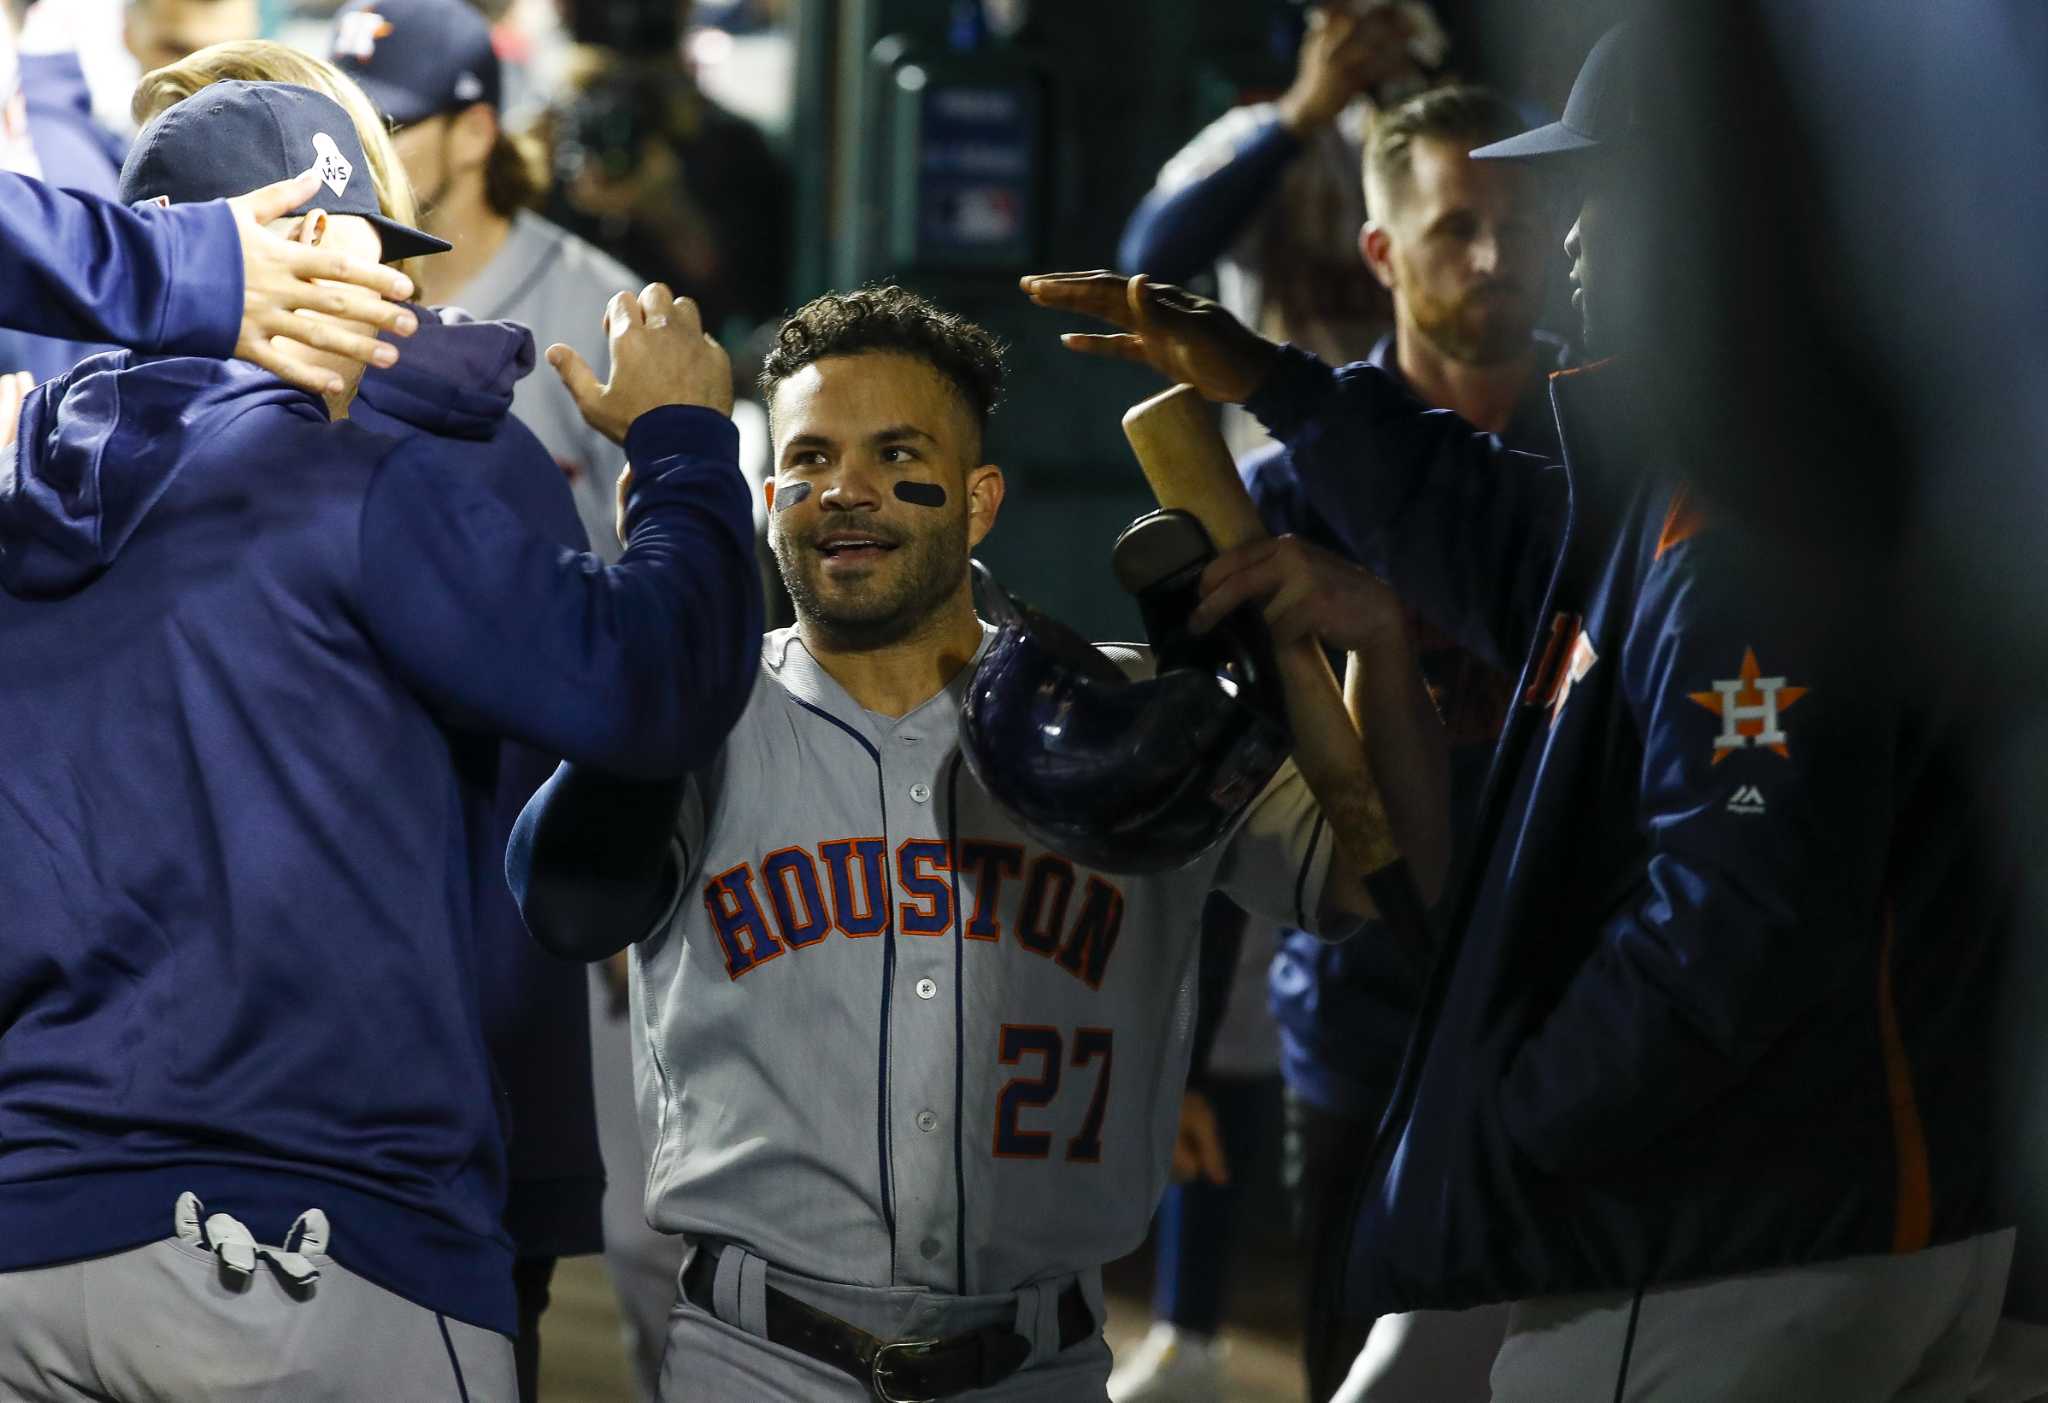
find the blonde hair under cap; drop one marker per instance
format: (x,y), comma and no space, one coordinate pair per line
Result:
(262,61)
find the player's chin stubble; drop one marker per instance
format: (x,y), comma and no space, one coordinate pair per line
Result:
(890,600)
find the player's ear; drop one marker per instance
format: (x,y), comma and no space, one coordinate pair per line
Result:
(1374,244)
(312,227)
(984,500)
(768,494)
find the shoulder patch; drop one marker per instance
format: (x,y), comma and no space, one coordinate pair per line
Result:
(1750,706)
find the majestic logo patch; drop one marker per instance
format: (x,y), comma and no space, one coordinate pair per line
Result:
(356,34)
(1747,799)
(334,167)
(1749,706)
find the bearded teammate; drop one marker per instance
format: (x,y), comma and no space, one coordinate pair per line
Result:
(904,1074)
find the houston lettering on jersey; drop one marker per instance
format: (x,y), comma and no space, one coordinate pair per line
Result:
(796,897)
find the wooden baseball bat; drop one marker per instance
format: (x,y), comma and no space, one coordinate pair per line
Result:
(1189,467)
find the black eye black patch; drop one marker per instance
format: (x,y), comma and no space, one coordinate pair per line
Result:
(787,497)
(921,494)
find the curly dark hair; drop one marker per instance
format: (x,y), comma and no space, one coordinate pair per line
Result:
(889,319)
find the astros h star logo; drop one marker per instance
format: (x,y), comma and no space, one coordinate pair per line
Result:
(1749,706)
(357,33)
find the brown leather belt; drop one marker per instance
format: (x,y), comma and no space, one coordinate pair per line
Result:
(895,1371)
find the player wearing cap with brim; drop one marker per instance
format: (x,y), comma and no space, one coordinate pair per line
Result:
(208,280)
(1699,1087)
(457,383)
(430,67)
(248,1135)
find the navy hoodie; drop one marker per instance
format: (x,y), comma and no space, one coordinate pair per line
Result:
(244,648)
(455,382)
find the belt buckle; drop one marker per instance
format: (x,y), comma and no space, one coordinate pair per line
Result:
(875,1367)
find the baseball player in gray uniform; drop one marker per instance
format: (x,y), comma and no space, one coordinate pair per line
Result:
(906,1077)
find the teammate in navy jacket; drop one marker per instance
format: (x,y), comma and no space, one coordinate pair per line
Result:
(456,384)
(239,1024)
(1699,1082)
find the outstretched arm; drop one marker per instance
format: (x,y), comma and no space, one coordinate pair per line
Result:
(1464,529)
(640,667)
(204,279)
(1217,187)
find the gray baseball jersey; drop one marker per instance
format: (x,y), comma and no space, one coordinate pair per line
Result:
(884,1038)
(558,285)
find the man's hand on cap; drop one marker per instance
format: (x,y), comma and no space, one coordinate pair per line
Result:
(660,355)
(281,278)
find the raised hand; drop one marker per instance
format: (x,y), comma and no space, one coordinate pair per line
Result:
(282,277)
(1344,54)
(1182,336)
(660,355)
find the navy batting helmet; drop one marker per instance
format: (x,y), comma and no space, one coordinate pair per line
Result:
(1126,773)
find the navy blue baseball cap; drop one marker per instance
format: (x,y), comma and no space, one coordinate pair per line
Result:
(230,138)
(418,58)
(1600,115)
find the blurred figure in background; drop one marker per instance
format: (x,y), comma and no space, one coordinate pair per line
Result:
(1268,193)
(1461,247)
(430,68)
(160,32)
(16,152)
(47,130)
(75,149)
(657,174)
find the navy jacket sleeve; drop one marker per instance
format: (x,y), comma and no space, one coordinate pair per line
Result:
(85,269)
(1771,748)
(1176,233)
(1465,530)
(639,667)
(591,863)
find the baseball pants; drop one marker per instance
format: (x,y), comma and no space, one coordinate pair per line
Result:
(722,1358)
(642,1263)
(2015,1368)
(1906,1329)
(172,1322)
(1427,1356)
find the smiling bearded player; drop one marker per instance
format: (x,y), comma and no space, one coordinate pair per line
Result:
(905,1074)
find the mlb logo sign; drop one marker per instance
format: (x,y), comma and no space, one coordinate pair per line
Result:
(356,34)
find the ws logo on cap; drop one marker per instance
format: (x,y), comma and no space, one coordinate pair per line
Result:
(334,167)
(356,34)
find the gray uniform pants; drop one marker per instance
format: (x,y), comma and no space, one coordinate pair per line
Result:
(1907,1329)
(722,1357)
(1442,1356)
(642,1263)
(173,1323)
